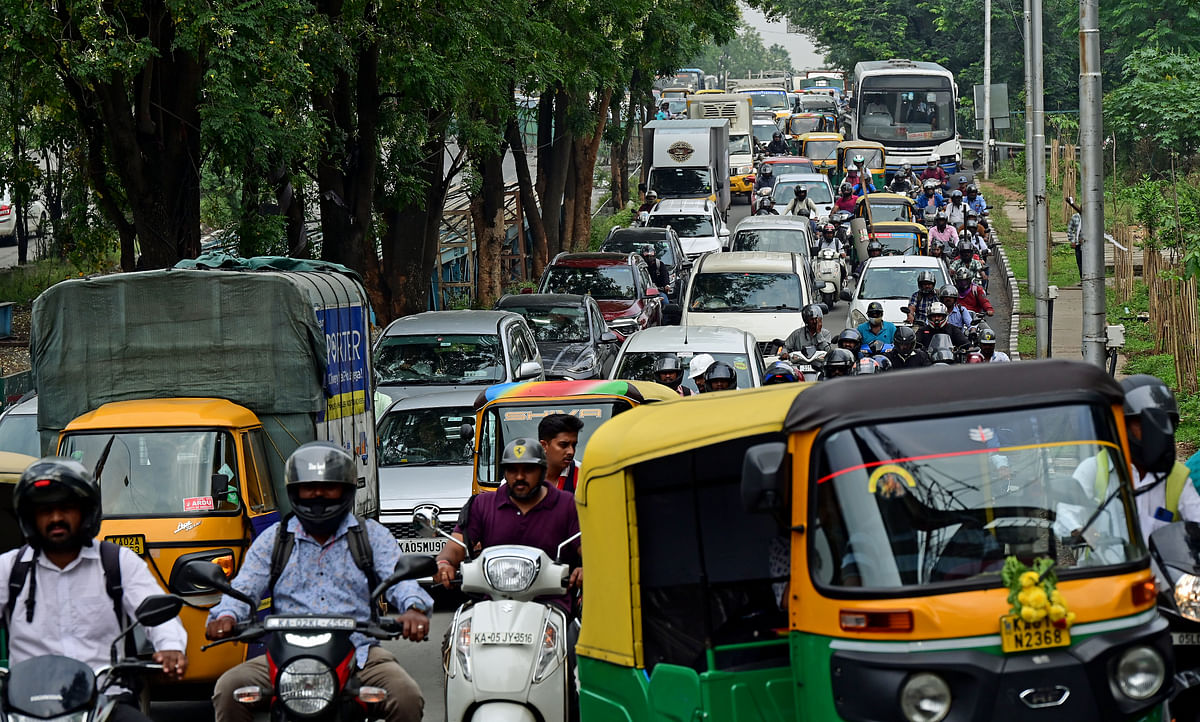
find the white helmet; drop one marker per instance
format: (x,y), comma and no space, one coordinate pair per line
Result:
(933,158)
(937,308)
(699,364)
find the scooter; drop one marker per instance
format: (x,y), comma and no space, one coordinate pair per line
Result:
(311,657)
(1174,550)
(830,272)
(809,361)
(53,687)
(507,655)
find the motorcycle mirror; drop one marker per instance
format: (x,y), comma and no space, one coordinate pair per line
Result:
(824,307)
(559,551)
(158,609)
(425,521)
(409,566)
(206,575)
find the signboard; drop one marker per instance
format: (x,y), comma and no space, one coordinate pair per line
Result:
(999,106)
(346,348)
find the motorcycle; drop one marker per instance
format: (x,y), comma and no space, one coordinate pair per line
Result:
(1174,550)
(311,656)
(53,687)
(830,272)
(766,205)
(642,220)
(507,655)
(844,233)
(809,361)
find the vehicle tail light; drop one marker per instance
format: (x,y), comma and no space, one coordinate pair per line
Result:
(852,620)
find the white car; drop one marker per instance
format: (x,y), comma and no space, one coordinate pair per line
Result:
(755,291)
(18,428)
(783,234)
(35,217)
(696,221)
(735,347)
(891,280)
(818,187)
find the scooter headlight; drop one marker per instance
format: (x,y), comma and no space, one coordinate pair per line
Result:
(1187,597)
(510,573)
(1140,673)
(306,686)
(925,697)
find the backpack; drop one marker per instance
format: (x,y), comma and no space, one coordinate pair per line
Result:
(110,562)
(360,552)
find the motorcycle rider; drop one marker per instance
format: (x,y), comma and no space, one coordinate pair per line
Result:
(959,315)
(777,146)
(933,171)
(801,202)
(829,239)
(697,367)
(811,333)
(987,347)
(864,182)
(966,258)
(851,340)
(874,250)
(839,362)
(938,315)
(67,603)
(956,210)
(650,202)
(780,372)
(322,576)
(659,273)
(852,176)
(669,372)
(664,111)
(970,295)
(905,353)
(764,204)
(962,184)
(918,304)
(942,233)
(930,201)
(845,200)
(720,377)
(765,177)
(559,436)
(875,328)
(903,181)
(974,200)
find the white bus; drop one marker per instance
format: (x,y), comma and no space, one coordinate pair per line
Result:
(909,108)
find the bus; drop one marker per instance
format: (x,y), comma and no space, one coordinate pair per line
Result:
(908,107)
(692,78)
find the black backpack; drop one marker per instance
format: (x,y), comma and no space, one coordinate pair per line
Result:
(360,551)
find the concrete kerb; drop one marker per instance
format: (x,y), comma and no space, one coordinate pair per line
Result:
(1014,293)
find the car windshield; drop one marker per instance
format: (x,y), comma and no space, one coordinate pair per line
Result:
(507,421)
(768,99)
(812,101)
(886,212)
(441,359)
(771,239)
(680,182)
(901,244)
(639,366)
(563,324)
(889,282)
(677,105)
(821,149)
(765,132)
(782,169)
(606,282)
(739,145)
(948,498)
(916,109)
(804,124)
(425,437)
(698,226)
(19,434)
(159,473)
(622,243)
(745,293)
(817,190)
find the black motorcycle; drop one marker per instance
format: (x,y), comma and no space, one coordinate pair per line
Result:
(53,687)
(1175,550)
(311,656)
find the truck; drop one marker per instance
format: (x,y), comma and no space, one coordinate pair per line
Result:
(185,390)
(688,159)
(737,108)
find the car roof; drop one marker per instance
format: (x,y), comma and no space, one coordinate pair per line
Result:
(447,322)
(786,159)
(796,223)
(526,300)
(803,178)
(750,262)
(436,400)
(902,262)
(25,406)
(679,206)
(590,260)
(704,339)
(648,233)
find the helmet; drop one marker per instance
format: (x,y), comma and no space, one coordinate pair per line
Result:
(948,291)
(971,224)
(699,365)
(852,168)
(941,217)
(975,358)
(852,337)
(720,372)
(943,356)
(838,362)
(956,193)
(829,228)
(866,366)
(930,185)
(810,312)
(648,251)
(651,195)
(970,213)
(859,160)
(972,189)
(885,363)
(801,189)
(966,247)
(874,248)
(925,277)
(905,168)
(933,158)
(874,309)
(767,169)
(937,308)
(56,479)
(1153,405)
(963,275)
(668,364)
(962,179)
(523,451)
(987,337)
(780,372)
(320,462)
(904,339)
(846,189)
(777,135)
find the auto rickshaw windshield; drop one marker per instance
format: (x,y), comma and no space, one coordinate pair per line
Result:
(946,500)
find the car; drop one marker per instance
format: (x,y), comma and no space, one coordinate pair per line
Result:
(756,291)
(696,221)
(787,234)
(451,350)
(818,186)
(570,332)
(787,164)
(736,347)
(764,130)
(891,280)
(424,461)
(18,428)
(35,217)
(620,283)
(667,247)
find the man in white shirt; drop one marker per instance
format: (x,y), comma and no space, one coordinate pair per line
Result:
(69,574)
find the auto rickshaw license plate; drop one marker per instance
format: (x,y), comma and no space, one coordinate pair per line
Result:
(1017,635)
(134,542)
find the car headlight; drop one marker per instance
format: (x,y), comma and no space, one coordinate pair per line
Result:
(624,326)
(306,686)
(587,363)
(857,317)
(550,652)
(510,573)
(1140,673)
(1187,597)
(925,697)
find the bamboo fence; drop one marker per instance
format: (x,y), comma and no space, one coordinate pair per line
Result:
(1173,316)
(1123,269)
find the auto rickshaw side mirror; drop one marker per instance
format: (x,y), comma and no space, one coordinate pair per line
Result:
(467,432)
(219,487)
(765,477)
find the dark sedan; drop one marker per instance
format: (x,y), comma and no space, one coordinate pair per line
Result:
(570,332)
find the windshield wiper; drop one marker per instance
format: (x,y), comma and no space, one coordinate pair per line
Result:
(778,307)
(1077,537)
(103,457)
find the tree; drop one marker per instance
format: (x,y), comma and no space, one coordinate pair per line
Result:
(1157,105)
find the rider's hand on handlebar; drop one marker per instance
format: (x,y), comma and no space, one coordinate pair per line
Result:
(576,580)
(445,574)
(174,662)
(415,625)
(219,628)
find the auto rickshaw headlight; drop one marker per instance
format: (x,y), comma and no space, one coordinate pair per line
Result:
(1140,673)
(511,573)
(1187,597)
(925,697)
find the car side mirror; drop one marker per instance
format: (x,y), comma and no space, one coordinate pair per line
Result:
(724,232)
(608,337)
(158,609)
(206,575)
(765,477)
(528,370)
(846,296)
(425,522)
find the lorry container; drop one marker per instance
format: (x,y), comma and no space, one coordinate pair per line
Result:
(688,159)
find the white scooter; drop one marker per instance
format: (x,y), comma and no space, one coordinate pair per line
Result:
(507,655)
(830,273)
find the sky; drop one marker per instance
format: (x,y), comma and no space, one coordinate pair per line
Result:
(804,55)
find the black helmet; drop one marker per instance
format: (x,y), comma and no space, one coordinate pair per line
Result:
(874,309)
(846,189)
(885,363)
(800,189)
(523,451)
(766,169)
(1152,403)
(874,248)
(720,371)
(925,277)
(780,372)
(948,291)
(838,362)
(320,462)
(777,135)
(667,364)
(852,336)
(810,312)
(904,339)
(972,189)
(55,479)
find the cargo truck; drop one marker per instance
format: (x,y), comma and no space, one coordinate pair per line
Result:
(688,159)
(737,108)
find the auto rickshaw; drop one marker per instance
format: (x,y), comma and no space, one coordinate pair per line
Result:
(511,411)
(801,123)
(852,550)
(889,219)
(873,155)
(821,148)
(12,465)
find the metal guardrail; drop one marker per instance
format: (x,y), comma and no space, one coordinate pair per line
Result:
(977,144)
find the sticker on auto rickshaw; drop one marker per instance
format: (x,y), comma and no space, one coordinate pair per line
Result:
(133,542)
(1017,635)
(535,414)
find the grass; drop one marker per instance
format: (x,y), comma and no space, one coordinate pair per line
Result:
(22,284)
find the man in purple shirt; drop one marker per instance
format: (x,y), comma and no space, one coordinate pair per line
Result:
(524,510)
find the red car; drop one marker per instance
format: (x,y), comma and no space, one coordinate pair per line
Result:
(619,282)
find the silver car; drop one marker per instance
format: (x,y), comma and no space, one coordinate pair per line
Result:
(731,345)
(18,428)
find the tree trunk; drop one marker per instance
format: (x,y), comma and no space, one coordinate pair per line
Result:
(291,207)
(487,215)
(529,206)
(545,139)
(555,165)
(570,199)
(585,150)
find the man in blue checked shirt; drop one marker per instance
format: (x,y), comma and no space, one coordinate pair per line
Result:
(322,576)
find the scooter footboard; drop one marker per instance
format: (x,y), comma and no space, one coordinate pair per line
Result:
(503,712)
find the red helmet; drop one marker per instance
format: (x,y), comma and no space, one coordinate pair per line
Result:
(975,358)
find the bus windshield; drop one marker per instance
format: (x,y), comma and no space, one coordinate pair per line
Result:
(906,109)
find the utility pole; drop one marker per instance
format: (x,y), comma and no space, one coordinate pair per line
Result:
(1030,251)
(987,89)
(1091,131)
(1041,236)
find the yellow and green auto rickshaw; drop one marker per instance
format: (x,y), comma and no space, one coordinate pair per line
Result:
(890,220)
(821,149)
(854,550)
(873,156)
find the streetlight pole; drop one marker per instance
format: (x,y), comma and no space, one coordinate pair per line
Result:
(1030,250)
(1091,138)
(987,89)
(1041,238)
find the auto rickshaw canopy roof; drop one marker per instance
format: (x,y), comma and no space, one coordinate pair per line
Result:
(157,413)
(638,391)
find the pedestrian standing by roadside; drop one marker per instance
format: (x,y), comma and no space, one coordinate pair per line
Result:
(1074,227)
